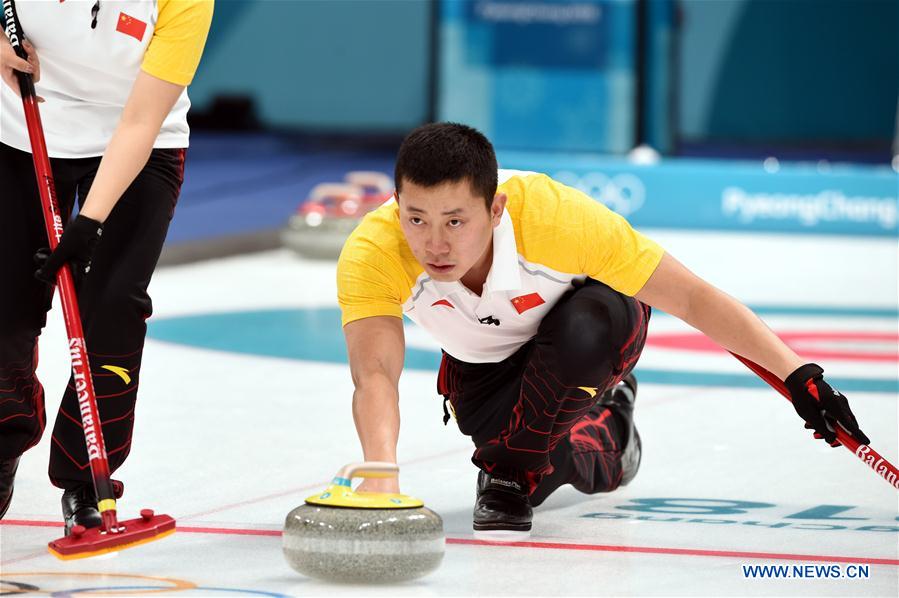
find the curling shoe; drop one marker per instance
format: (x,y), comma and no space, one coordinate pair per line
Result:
(8,469)
(79,505)
(620,399)
(502,510)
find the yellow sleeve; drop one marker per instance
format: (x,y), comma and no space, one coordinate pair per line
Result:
(369,281)
(178,39)
(571,232)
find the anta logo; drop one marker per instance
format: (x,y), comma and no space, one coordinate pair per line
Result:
(131,26)
(526,302)
(489,320)
(443,302)
(590,390)
(120,372)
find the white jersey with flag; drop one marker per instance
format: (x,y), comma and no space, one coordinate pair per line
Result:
(550,237)
(88,68)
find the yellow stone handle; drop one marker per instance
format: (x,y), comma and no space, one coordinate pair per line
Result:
(369,469)
(341,494)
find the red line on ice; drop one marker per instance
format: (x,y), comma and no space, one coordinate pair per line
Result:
(780,556)
(812,344)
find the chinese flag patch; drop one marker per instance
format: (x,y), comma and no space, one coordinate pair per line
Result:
(526,302)
(443,302)
(131,26)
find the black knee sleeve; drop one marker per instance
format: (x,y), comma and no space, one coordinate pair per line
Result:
(586,331)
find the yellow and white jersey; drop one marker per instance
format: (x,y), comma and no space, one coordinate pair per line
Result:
(87,73)
(549,236)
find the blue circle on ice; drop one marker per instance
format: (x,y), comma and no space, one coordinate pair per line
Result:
(309,334)
(315,334)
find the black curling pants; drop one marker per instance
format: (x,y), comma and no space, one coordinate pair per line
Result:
(113,300)
(537,410)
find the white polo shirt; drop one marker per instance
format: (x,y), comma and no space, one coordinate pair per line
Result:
(87,73)
(549,236)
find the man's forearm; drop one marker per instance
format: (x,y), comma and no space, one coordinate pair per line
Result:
(377,417)
(736,328)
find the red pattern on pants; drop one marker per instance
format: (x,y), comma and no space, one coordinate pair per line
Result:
(113,299)
(529,414)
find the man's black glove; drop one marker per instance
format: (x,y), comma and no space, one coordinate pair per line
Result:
(75,246)
(821,406)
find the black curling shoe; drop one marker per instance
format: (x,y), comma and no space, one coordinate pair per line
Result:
(621,400)
(7,483)
(502,509)
(79,507)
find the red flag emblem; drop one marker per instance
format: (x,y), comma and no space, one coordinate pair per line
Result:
(131,26)
(443,302)
(526,302)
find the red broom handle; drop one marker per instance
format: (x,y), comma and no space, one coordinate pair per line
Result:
(869,456)
(81,372)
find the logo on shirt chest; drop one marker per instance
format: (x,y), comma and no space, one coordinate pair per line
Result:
(525,302)
(131,26)
(521,304)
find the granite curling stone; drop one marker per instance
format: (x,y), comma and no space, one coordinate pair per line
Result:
(366,537)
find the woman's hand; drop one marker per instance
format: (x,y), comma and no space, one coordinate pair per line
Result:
(10,62)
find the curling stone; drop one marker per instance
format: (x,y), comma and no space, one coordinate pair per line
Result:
(363,537)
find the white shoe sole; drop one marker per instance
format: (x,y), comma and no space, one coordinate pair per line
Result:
(501,535)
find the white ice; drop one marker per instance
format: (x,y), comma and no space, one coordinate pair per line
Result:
(226,441)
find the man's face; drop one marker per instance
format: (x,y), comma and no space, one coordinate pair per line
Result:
(448,228)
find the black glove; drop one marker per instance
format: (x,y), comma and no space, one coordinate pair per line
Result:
(76,247)
(821,406)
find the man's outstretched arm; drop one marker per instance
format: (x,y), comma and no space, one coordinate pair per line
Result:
(677,291)
(376,348)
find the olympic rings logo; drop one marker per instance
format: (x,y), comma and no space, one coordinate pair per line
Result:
(134,585)
(624,193)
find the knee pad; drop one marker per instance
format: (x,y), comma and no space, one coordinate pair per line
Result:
(586,331)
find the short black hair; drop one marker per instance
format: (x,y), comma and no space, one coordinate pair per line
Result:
(438,153)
